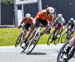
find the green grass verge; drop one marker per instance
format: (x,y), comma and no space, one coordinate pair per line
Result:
(8,36)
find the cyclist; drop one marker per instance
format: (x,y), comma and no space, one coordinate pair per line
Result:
(46,18)
(59,22)
(70,24)
(28,22)
(68,47)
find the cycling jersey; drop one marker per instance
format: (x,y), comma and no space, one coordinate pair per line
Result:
(59,23)
(43,16)
(25,20)
(61,20)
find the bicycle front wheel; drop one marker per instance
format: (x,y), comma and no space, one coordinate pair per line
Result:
(32,44)
(18,41)
(61,53)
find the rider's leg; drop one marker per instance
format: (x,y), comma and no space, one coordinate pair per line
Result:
(30,32)
(23,35)
(47,29)
(32,36)
(26,31)
(44,32)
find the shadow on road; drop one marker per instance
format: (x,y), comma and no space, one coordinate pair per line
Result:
(35,53)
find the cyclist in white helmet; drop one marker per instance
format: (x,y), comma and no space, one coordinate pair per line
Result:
(27,23)
(59,22)
(46,18)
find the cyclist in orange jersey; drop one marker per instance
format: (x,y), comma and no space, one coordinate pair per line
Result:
(46,18)
(27,22)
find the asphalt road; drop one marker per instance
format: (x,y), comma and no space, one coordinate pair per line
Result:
(42,53)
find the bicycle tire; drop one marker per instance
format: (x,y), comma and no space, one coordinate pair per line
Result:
(18,40)
(34,44)
(58,39)
(61,52)
(49,41)
(64,36)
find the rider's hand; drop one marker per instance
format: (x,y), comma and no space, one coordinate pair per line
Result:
(19,26)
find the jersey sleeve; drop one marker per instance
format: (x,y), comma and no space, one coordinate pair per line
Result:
(32,19)
(23,20)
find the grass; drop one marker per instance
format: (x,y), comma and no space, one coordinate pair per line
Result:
(8,36)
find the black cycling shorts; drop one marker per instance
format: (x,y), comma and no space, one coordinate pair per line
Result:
(43,22)
(26,26)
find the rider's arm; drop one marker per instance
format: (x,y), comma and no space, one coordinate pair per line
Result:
(51,19)
(34,21)
(55,21)
(36,18)
(23,20)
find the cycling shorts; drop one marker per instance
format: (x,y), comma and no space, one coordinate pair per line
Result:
(59,26)
(26,26)
(40,21)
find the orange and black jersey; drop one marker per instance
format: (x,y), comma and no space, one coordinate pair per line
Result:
(43,16)
(25,20)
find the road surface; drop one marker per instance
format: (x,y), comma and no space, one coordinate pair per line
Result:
(42,53)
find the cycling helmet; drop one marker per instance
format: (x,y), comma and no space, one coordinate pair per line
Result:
(28,15)
(59,15)
(50,10)
(71,18)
